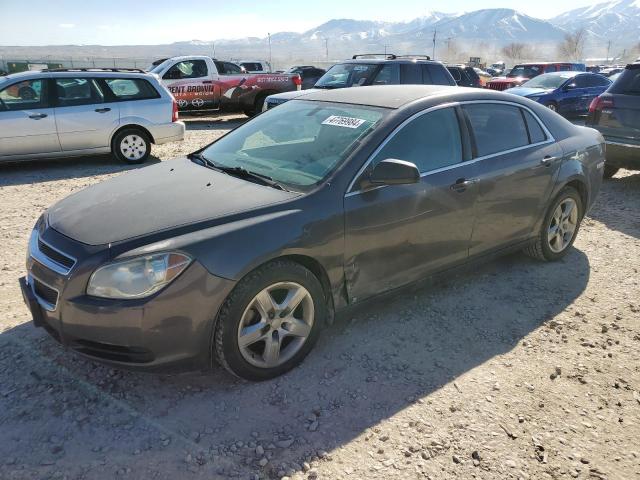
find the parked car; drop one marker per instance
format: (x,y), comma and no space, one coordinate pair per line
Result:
(464,76)
(608,72)
(498,67)
(201,83)
(245,250)
(526,71)
(616,114)
(310,74)
(372,69)
(568,93)
(485,77)
(71,112)
(255,66)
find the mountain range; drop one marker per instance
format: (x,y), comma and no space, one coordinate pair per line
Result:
(478,33)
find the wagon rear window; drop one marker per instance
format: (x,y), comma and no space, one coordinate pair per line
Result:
(131,88)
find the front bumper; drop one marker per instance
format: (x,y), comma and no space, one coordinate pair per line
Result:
(170,330)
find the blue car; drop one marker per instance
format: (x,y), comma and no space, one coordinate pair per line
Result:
(568,93)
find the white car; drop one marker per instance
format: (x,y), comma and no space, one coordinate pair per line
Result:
(71,112)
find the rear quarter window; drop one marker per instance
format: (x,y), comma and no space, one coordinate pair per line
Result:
(124,89)
(628,83)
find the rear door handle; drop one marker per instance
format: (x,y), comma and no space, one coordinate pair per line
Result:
(38,116)
(206,81)
(462,184)
(103,110)
(548,160)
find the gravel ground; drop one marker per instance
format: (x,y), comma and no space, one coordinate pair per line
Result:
(518,369)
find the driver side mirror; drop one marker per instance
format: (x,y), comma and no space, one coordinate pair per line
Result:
(392,172)
(570,86)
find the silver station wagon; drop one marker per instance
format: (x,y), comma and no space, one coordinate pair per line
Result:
(71,112)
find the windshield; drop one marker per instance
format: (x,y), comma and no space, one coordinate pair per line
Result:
(158,68)
(528,71)
(548,81)
(297,144)
(346,75)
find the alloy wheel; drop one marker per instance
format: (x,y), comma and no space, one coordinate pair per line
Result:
(563,225)
(276,324)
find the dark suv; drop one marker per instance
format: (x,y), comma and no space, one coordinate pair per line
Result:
(465,76)
(616,114)
(374,69)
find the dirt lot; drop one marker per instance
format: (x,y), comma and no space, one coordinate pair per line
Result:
(516,370)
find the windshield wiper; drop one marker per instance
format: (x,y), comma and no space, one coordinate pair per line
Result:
(239,172)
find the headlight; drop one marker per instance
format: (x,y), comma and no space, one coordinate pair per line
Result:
(137,277)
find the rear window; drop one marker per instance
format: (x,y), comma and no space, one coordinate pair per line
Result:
(439,75)
(131,89)
(496,128)
(628,83)
(252,66)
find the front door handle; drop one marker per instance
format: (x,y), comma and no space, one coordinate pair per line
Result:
(103,110)
(462,184)
(207,81)
(548,160)
(38,116)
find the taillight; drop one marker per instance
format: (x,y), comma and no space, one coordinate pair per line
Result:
(600,103)
(174,111)
(297,80)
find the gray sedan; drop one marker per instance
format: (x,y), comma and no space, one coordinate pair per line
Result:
(246,249)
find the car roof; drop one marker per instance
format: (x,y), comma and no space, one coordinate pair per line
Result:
(548,63)
(396,96)
(27,75)
(375,61)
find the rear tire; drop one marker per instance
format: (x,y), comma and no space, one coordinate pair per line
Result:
(131,145)
(264,321)
(610,171)
(550,246)
(257,106)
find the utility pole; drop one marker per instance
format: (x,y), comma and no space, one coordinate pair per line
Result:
(213,47)
(385,49)
(448,49)
(326,48)
(608,50)
(435,33)
(269,36)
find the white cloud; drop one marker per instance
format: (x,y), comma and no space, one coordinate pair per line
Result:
(66,25)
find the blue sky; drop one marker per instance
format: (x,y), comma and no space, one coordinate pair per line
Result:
(120,22)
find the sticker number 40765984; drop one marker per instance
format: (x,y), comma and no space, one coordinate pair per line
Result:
(347,122)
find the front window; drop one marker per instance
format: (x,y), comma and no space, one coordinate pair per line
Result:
(23,95)
(297,144)
(347,75)
(187,69)
(547,81)
(527,71)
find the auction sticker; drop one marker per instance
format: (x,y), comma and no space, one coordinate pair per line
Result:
(348,122)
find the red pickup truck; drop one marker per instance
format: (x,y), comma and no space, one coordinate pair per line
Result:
(526,71)
(201,83)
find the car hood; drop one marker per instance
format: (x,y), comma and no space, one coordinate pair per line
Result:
(160,197)
(509,79)
(293,94)
(526,91)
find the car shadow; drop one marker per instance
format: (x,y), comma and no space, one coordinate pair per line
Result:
(376,361)
(212,123)
(38,171)
(618,203)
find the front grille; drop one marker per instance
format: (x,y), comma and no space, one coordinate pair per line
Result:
(117,353)
(45,292)
(498,85)
(55,255)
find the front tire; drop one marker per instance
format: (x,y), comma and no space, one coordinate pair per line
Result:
(270,321)
(559,228)
(131,145)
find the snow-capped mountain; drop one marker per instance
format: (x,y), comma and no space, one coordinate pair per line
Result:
(498,25)
(617,20)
